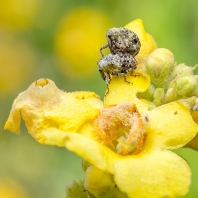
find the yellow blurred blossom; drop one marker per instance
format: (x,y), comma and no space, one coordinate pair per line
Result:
(17,62)
(18,14)
(122,139)
(78,39)
(10,188)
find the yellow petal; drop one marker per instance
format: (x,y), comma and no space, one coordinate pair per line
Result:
(92,151)
(156,174)
(159,174)
(147,42)
(12,188)
(55,137)
(170,126)
(121,91)
(44,106)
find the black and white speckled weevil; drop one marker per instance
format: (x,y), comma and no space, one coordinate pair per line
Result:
(124,45)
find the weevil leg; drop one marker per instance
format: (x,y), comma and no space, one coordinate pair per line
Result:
(103,47)
(108,80)
(107,90)
(134,75)
(125,80)
(102,74)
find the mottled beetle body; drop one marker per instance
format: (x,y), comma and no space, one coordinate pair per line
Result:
(122,40)
(116,65)
(124,45)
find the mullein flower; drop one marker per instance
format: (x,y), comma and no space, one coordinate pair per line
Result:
(127,139)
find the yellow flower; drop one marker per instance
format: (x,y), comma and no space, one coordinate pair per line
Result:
(120,137)
(78,38)
(18,14)
(10,188)
(23,59)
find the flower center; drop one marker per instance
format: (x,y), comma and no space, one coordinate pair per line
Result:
(121,128)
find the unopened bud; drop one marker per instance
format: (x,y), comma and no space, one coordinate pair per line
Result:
(148,94)
(115,193)
(98,182)
(195,107)
(181,70)
(158,96)
(186,86)
(85,165)
(159,65)
(170,95)
(76,189)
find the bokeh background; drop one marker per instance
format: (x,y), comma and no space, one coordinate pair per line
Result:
(60,40)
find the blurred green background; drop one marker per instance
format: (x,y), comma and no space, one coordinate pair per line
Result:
(60,40)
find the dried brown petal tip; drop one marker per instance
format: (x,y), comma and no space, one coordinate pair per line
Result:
(41,82)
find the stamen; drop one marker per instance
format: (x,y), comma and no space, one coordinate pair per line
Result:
(121,128)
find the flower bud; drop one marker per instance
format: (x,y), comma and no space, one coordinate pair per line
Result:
(181,70)
(85,165)
(159,66)
(170,95)
(186,86)
(158,96)
(98,182)
(76,189)
(115,193)
(148,94)
(195,107)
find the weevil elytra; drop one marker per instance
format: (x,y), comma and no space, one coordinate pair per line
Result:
(122,40)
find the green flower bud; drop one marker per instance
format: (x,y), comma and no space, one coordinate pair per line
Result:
(181,70)
(115,193)
(170,95)
(183,87)
(148,94)
(196,87)
(75,189)
(85,164)
(159,65)
(186,86)
(158,96)
(195,107)
(98,182)
(151,105)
